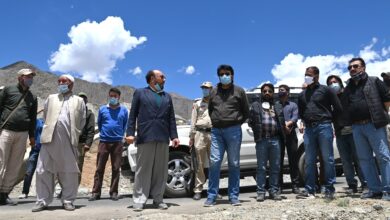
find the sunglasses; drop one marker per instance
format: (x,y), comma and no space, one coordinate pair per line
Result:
(268,91)
(226,74)
(354,66)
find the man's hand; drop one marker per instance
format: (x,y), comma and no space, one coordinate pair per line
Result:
(288,129)
(191,142)
(86,148)
(129,139)
(175,142)
(32,142)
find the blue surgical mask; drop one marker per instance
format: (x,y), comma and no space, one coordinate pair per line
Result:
(225,79)
(63,88)
(28,82)
(206,92)
(113,101)
(335,87)
(309,80)
(158,88)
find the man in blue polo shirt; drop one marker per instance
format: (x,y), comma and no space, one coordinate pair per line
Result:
(112,123)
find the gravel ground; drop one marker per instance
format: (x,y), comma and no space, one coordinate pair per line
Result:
(343,207)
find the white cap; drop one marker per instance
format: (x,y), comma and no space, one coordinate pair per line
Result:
(70,77)
(25,72)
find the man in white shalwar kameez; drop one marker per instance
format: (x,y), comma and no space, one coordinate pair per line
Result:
(64,116)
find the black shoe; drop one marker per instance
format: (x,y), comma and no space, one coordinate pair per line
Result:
(68,206)
(95,196)
(329,196)
(296,190)
(275,196)
(5,200)
(260,197)
(371,195)
(114,197)
(351,190)
(197,196)
(305,195)
(39,206)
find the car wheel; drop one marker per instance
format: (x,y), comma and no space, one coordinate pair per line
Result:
(180,182)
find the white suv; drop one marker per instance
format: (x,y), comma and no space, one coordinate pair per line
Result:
(181,175)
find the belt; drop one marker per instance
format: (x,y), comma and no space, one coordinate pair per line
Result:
(269,135)
(362,122)
(203,129)
(316,123)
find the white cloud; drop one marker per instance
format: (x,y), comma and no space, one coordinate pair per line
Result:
(136,71)
(190,70)
(94,49)
(291,69)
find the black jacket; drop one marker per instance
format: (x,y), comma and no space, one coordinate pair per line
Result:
(374,98)
(228,107)
(88,132)
(255,120)
(24,118)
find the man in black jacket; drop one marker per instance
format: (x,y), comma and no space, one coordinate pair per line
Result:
(267,122)
(368,103)
(86,137)
(18,113)
(316,105)
(228,109)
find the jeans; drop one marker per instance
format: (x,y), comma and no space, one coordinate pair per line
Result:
(31,165)
(268,149)
(347,150)
(319,137)
(369,140)
(229,140)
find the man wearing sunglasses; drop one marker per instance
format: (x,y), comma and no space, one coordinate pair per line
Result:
(368,104)
(228,109)
(316,105)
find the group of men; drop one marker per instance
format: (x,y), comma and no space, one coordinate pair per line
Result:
(358,113)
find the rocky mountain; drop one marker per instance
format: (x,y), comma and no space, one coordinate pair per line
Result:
(45,83)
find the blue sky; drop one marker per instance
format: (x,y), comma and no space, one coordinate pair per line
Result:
(118,41)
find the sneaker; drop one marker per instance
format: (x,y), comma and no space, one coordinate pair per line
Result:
(329,196)
(209,202)
(137,207)
(386,196)
(94,196)
(23,196)
(197,196)
(68,206)
(160,205)
(235,202)
(305,195)
(39,206)
(275,196)
(371,195)
(260,197)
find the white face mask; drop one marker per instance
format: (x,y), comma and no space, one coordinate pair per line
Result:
(309,80)
(265,105)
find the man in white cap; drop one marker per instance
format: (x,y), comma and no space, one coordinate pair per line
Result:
(18,112)
(200,137)
(64,116)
